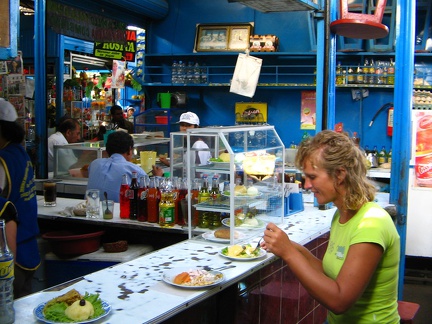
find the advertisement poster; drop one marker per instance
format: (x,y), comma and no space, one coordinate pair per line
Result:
(308,110)
(118,74)
(423,148)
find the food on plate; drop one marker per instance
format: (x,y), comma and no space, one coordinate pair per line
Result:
(72,306)
(252,191)
(241,251)
(225,157)
(85,167)
(251,221)
(182,278)
(240,190)
(224,233)
(80,209)
(259,163)
(80,310)
(197,277)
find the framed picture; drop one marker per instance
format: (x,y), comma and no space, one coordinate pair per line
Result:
(221,38)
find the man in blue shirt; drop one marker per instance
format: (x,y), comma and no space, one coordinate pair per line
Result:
(106,174)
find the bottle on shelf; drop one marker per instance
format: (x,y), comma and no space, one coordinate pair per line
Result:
(382,156)
(134,197)
(203,74)
(340,78)
(176,193)
(196,73)
(174,72)
(372,79)
(166,204)
(182,192)
(152,201)
(142,194)
(366,71)
(189,72)
(194,200)
(389,156)
(214,191)
(351,77)
(7,312)
(356,139)
(204,193)
(359,75)
(124,199)
(181,72)
(391,72)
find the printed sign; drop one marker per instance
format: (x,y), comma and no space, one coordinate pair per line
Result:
(251,112)
(308,110)
(118,51)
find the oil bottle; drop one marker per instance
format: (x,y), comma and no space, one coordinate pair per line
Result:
(167,204)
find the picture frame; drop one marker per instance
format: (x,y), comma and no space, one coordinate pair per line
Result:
(222,37)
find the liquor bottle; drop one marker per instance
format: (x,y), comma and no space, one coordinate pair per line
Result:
(379,71)
(133,197)
(7,312)
(382,156)
(124,199)
(142,194)
(389,156)
(166,205)
(204,193)
(366,71)
(152,201)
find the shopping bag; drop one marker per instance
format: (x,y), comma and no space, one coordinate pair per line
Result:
(246,74)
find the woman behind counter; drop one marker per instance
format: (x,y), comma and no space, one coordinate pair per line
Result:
(357,281)
(17,185)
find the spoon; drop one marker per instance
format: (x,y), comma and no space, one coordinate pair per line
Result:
(107,211)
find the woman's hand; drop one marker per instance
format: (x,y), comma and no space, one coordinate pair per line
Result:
(275,240)
(164,160)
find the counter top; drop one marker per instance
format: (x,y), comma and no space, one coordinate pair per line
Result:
(135,289)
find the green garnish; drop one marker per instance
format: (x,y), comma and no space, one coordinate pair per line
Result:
(56,312)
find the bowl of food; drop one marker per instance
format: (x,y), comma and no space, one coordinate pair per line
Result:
(69,243)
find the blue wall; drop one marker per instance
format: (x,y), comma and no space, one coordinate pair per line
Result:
(176,34)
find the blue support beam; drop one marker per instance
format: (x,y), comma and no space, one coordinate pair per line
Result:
(40,87)
(404,78)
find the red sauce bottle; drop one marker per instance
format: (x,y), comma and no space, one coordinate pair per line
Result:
(124,199)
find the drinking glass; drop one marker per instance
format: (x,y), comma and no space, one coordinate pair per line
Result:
(50,193)
(93,203)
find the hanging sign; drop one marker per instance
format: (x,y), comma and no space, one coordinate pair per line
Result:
(118,50)
(80,24)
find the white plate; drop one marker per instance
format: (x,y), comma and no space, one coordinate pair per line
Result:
(38,312)
(244,196)
(260,255)
(169,275)
(261,224)
(220,164)
(209,236)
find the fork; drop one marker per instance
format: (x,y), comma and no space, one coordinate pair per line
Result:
(258,244)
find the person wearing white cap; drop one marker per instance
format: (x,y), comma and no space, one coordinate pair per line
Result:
(17,185)
(191,120)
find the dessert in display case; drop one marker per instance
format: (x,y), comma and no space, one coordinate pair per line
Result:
(241,178)
(71,160)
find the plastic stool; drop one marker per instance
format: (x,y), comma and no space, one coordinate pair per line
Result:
(360,25)
(407,311)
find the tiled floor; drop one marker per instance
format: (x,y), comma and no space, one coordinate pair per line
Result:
(418,289)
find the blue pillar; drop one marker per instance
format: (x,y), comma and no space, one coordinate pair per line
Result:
(40,87)
(404,77)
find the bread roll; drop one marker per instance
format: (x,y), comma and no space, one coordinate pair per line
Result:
(224,233)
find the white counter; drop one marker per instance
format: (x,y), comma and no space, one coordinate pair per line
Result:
(136,291)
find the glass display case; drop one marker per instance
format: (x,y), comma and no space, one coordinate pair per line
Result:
(71,160)
(245,164)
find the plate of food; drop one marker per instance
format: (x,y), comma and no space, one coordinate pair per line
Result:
(246,222)
(242,252)
(72,307)
(192,278)
(221,235)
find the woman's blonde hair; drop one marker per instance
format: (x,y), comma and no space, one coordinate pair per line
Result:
(332,152)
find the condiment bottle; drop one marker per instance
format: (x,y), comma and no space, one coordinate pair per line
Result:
(166,205)
(142,195)
(7,312)
(133,197)
(152,201)
(124,199)
(194,201)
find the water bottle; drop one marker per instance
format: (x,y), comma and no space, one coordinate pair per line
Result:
(196,74)
(7,312)
(174,72)
(181,70)
(189,73)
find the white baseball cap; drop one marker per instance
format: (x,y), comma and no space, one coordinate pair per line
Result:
(7,111)
(190,118)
